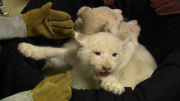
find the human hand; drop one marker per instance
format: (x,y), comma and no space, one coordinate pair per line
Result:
(166,7)
(54,88)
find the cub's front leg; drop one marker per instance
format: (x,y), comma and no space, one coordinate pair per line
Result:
(29,50)
(111,84)
(38,53)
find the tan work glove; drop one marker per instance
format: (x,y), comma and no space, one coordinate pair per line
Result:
(54,88)
(47,22)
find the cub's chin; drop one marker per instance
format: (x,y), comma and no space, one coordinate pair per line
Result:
(101,75)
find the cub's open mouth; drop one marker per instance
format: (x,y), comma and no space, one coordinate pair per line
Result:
(101,75)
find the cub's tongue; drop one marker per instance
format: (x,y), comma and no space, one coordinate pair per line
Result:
(101,75)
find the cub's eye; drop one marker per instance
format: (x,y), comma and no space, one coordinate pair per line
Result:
(97,53)
(114,54)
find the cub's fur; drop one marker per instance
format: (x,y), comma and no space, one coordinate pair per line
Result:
(94,20)
(132,62)
(95,62)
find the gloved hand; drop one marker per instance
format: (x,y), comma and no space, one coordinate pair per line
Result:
(47,22)
(166,7)
(54,88)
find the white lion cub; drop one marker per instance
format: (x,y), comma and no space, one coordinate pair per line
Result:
(95,61)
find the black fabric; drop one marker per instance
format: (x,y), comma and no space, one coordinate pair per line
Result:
(18,73)
(84,95)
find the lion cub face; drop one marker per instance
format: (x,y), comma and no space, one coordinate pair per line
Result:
(101,53)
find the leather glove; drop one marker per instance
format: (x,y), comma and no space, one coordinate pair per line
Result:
(166,7)
(47,22)
(54,88)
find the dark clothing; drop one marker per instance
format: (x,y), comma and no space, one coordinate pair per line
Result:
(159,34)
(19,73)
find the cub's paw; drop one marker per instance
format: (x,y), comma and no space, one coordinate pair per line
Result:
(112,86)
(28,50)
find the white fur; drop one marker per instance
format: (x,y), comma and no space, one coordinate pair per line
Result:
(84,60)
(133,65)
(123,72)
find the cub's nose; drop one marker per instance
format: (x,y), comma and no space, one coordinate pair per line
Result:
(106,68)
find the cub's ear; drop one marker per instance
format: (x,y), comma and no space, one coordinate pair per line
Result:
(134,28)
(118,14)
(133,22)
(83,12)
(80,38)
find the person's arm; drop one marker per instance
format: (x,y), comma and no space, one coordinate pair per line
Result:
(43,21)
(163,85)
(12,27)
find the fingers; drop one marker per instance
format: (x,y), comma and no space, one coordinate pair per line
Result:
(47,6)
(63,28)
(43,12)
(58,16)
(62,24)
(159,3)
(66,77)
(60,36)
(61,31)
